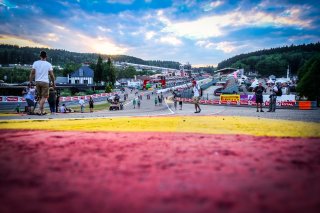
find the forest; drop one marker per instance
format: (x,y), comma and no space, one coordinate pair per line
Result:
(275,60)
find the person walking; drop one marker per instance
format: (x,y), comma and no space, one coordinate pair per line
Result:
(175,101)
(180,104)
(273,99)
(134,102)
(138,103)
(41,69)
(155,101)
(196,96)
(52,100)
(91,104)
(259,97)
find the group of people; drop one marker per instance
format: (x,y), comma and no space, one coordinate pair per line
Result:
(45,91)
(275,91)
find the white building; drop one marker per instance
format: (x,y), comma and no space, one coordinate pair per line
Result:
(84,75)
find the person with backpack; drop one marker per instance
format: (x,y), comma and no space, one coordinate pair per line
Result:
(275,91)
(196,96)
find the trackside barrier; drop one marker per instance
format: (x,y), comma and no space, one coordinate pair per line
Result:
(13,99)
(282,104)
(302,105)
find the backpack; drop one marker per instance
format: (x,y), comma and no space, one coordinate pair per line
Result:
(279,93)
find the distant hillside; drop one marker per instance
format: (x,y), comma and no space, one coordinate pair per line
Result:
(11,54)
(275,60)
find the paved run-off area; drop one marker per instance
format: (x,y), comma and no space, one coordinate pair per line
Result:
(160,164)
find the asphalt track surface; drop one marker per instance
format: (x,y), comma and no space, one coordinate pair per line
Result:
(156,159)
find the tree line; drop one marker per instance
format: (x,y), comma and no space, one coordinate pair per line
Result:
(309,78)
(13,54)
(275,60)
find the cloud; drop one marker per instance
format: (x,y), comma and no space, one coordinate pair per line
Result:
(120,1)
(14,40)
(64,36)
(201,28)
(170,40)
(220,25)
(225,46)
(210,6)
(52,37)
(149,35)
(104,29)
(8,4)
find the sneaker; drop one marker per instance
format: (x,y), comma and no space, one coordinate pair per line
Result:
(261,111)
(199,111)
(257,110)
(196,112)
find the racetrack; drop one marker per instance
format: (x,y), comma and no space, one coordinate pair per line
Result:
(232,161)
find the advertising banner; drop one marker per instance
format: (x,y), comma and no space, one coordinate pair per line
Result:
(12,99)
(229,98)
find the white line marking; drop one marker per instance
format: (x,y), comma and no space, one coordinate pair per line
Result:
(172,112)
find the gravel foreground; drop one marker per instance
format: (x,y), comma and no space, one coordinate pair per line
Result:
(78,171)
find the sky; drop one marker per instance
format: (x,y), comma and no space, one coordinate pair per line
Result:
(199,32)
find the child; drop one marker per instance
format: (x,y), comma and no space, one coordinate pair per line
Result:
(52,100)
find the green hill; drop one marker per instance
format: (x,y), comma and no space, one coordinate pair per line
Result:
(11,54)
(275,60)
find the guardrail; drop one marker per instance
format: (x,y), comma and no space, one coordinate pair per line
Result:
(9,102)
(301,105)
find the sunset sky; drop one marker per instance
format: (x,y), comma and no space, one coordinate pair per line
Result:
(199,32)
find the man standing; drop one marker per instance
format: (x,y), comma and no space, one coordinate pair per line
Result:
(81,102)
(273,99)
(259,98)
(40,71)
(196,96)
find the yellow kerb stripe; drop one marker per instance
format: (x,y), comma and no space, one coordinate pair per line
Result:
(193,124)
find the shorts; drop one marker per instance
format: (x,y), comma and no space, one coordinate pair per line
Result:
(42,89)
(30,102)
(259,99)
(196,100)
